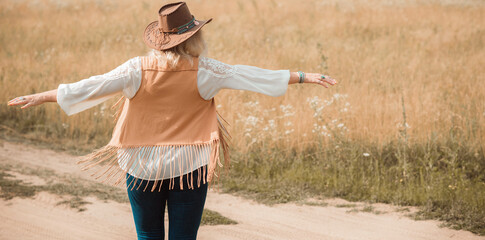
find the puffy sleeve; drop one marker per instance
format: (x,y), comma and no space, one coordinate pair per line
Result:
(79,96)
(214,76)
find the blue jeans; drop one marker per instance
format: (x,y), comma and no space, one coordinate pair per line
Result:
(185,208)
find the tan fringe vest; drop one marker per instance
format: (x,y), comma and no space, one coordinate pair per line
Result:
(166,111)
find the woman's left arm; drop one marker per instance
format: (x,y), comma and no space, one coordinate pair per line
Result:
(214,76)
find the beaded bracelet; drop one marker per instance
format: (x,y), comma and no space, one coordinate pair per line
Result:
(301,76)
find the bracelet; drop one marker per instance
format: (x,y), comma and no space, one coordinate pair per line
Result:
(301,76)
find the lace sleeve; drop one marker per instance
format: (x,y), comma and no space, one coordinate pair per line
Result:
(216,68)
(79,96)
(214,76)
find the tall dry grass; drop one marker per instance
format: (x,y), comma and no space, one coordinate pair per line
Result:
(429,55)
(410,90)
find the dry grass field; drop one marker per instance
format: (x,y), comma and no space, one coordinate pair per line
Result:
(405,124)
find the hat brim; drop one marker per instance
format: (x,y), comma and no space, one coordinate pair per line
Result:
(159,41)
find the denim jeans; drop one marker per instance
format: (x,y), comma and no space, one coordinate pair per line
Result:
(185,208)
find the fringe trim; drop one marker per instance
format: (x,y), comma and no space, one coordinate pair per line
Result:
(111,163)
(120,103)
(224,138)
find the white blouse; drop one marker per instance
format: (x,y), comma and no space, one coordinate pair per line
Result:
(212,76)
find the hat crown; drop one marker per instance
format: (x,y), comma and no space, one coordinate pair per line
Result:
(175,25)
(174,15)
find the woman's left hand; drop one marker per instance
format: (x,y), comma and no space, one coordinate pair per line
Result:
(314,78)
(320,79)
(34,99)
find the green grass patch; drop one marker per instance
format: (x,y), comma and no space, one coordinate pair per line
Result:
(368,208)
(353,210)
(312,203)
(403,209)
(444,179)
(75,202)
(210,217)
(11,188)
(61,185)
(346,205)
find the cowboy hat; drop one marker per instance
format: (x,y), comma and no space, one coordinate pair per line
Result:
(175,25)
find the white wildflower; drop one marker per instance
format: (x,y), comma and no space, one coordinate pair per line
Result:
(287,110)
(337,96)
(272,124)
(313,101)
(400,125)
(252,104)
(252,120)
(289,131)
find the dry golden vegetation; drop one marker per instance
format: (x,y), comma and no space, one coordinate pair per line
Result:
(428,55)
(405,124)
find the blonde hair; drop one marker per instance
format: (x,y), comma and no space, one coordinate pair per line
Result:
(195,46)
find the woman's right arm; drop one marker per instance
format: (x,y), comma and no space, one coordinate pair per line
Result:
(79,96)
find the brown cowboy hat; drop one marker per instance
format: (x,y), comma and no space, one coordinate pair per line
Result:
(175,25)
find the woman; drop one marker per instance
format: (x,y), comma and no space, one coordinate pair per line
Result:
(168,128)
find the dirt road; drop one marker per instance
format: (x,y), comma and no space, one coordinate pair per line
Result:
(40,217)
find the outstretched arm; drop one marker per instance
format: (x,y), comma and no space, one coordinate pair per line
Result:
(84,94)
(34,99)
(214,76)
(314,78)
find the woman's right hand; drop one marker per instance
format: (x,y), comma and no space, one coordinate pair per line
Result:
(315,78)
(34,99)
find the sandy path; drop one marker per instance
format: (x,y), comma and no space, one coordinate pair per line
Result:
(40,218)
